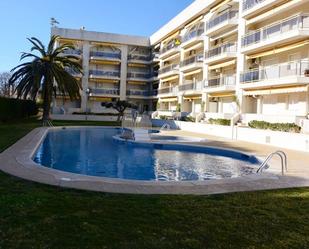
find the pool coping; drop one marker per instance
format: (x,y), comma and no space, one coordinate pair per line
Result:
(17,161)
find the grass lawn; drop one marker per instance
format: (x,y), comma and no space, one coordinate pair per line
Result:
(39,216)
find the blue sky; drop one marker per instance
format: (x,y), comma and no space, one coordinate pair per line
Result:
(20,19)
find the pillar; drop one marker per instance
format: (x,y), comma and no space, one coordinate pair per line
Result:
(85,82)
(123,72)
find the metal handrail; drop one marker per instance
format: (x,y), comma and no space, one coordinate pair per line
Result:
(284,161)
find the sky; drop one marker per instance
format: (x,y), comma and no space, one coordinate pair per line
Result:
(20,19)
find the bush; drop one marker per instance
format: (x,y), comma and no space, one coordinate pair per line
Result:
(163,117)
(220,121)
(95,113)
(286,127)
(187,119)
(11,109)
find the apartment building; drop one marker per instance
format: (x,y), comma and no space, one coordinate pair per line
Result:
(114,66)
(214,60)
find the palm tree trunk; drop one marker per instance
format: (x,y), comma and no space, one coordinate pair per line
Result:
(46,100)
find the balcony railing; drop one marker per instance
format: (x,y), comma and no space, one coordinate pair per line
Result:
(102,54)
(298,22)
(191,60)
(225,80)
(228,47)
(168,68)
(143,93)
(138,75)
(193,86)
(167,90)
(290,69)
(170,46)
(139,57)
(228,15)
(248,4)
(99,91)
(193,33)
(104,73)
(72,52)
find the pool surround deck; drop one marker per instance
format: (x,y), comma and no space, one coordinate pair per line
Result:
(17,161)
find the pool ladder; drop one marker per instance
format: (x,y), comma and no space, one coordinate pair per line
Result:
(283,158)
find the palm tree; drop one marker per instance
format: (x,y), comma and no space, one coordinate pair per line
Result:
(48,72)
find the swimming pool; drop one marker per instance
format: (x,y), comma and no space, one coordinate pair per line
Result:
(94,152)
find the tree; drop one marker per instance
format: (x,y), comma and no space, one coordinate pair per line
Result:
(120,106)
(6,89)
(48,72)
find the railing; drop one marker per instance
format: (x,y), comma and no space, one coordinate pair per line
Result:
(72,51)
(98,91)
(191,60)
(105,54)
(297,22)
(283,158)
(228,15)
(144,93)
(197,86)
(138,75)
(169,47)
(293,68)
(226,80)
(104,73)
(166,90)
(248,4)
(229,47)
(139,57)
(193,33)
(168,68)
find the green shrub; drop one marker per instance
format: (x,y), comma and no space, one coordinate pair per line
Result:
(11,109)
(163,117)
(220,121)
(95,113)
(286,127)
(187,119)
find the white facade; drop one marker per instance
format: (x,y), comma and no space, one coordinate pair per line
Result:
(216,57)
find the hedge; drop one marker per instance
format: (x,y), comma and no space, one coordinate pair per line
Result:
(286,127)
(220,121)
(11,109)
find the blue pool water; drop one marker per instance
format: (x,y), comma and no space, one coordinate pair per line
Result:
(93,151)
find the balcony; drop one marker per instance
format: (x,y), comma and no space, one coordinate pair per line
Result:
(105,56)
(224,21)
(168,91)
(142,93)
(288,30)
(291,73)
(139,58)
(193,36)
(224,83)
(253,7)
(191,87)
(74,73)
(192,63)
(221,53)
(104,92)
(138,76)
(170,49)
(169,71)
(73,52)
(101,74)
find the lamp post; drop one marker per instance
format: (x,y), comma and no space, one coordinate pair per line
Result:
(88,93)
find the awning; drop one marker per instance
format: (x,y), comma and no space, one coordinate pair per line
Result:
(170,78)
(106,62)
(196,20)
(275,91)
(172,57)
(193,72)
(137,65)
(279,50)
(224,64)
(198,45)
(103,80)
(221,95)
(104,99)
(192,98)
(136,82)
(219,5)
(168,100)
(174,35)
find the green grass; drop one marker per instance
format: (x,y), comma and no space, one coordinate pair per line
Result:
(39,216)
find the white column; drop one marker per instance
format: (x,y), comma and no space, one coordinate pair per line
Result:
(85,82)
(123,72)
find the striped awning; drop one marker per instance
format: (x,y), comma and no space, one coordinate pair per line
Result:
(276,91)
(193,72)
(221,95)
(224,64)
(170,78)
(168,100)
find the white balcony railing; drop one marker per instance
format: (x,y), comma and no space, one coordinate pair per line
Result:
(225,80)
(249,4)
(193,86)
(226,16)
(278,71)
(168,90)
(168,68)
(229,47)
(298,22)
(192,60)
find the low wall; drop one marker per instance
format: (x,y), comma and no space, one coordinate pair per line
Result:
(294,141)
(83,117)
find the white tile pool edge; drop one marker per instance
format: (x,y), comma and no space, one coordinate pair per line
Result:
(17,161)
